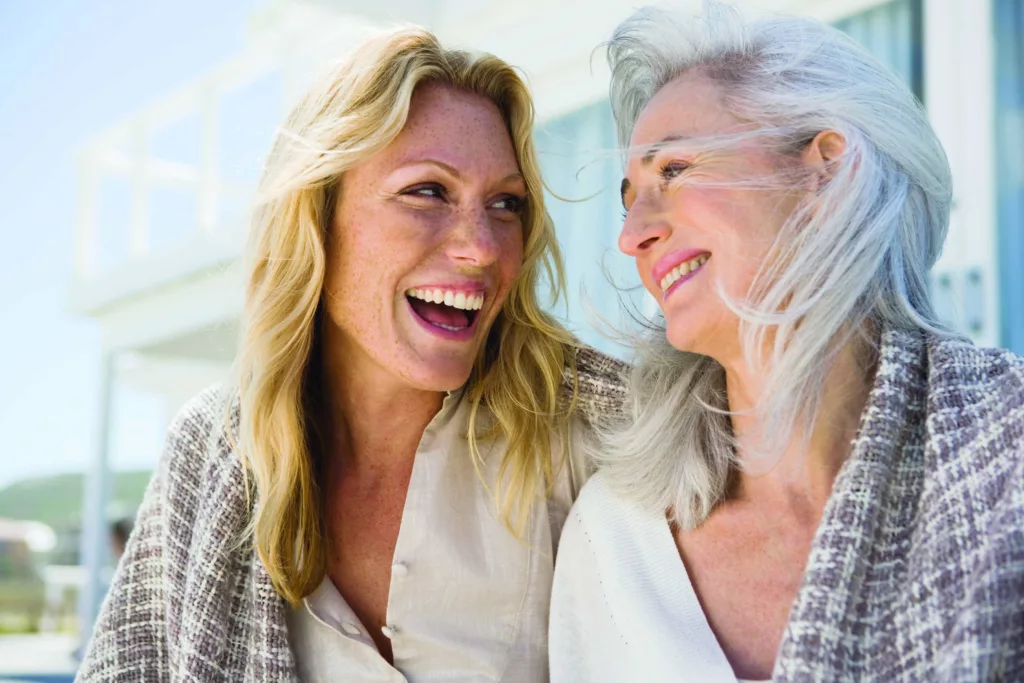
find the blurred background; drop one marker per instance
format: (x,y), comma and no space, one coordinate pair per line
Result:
(132,135)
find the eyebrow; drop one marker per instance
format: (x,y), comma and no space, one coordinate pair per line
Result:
(646,160)
(451,170)
(648,156)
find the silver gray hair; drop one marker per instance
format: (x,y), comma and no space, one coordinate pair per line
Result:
(856,257)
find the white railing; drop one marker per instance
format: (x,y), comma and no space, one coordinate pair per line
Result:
(123,153)
(297,35)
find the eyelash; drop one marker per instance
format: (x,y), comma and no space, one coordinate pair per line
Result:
(665,173)
(678,166)
(518,202)
(418,190)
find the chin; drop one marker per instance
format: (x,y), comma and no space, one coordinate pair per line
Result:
(681,341)
(441,374)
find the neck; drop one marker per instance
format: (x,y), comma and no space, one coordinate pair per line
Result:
(802,475)
(371,419)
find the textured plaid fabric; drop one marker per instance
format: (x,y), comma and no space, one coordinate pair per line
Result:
(188,601)
(917,571)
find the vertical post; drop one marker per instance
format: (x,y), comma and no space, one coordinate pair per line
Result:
(977,177)
(139,231)
(959,93)
(209,173)
(86,237)
(94,548)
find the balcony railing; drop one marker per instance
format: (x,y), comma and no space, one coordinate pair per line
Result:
(290,41)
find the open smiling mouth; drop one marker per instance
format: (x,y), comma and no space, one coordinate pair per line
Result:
(448,314)
(681,273)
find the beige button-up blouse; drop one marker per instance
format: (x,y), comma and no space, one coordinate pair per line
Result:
(468,601)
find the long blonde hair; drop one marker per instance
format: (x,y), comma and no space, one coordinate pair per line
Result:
(354,112)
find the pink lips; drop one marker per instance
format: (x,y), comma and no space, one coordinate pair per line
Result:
(469,288)
(667,263)
(465,334)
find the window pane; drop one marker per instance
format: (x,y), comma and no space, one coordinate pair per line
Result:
(1009,132)
(581,164)
(892,33)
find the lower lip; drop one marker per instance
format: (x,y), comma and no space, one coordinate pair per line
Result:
(465,334)
(680,281)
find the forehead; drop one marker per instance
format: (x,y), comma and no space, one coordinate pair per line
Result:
(453,126)
(689,106)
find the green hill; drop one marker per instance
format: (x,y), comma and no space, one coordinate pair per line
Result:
(57,500)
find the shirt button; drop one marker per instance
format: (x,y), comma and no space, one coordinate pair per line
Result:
(400,569)
(350,628)
(388,631)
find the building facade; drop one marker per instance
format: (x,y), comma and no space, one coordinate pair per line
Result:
(162,194)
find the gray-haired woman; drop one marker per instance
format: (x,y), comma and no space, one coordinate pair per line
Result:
(818,482)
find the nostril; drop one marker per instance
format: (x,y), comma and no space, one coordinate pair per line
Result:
(647,243)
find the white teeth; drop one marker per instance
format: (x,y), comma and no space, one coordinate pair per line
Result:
(460,300)
(682,269)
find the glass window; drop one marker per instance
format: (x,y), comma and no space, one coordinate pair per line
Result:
(1009,132)
(892,33)
(581,165)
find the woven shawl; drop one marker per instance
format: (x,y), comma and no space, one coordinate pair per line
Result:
(917,569)
(189,602)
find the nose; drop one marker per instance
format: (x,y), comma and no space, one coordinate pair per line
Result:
(641,231)
(473,241)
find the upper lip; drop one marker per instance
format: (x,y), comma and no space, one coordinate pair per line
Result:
(467,286)
(669,261)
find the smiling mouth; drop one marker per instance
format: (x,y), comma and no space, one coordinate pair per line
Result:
(683,272)
(447,313)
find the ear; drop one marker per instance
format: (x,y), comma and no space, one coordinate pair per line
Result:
(822,153)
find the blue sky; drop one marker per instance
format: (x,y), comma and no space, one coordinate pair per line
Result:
(68,69)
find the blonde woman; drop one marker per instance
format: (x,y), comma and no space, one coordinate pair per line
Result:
(818,480)
(384,499)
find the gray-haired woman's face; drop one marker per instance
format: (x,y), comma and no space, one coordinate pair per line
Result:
(699,221)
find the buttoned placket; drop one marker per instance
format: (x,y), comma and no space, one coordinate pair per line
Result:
(330,608)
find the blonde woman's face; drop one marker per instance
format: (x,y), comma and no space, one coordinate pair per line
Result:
(691,225)
(426,241)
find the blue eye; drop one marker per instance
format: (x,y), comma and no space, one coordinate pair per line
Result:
(432,190)
(673,169)
(510,203)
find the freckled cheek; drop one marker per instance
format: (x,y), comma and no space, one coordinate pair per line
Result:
(510,256)
(363,274)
